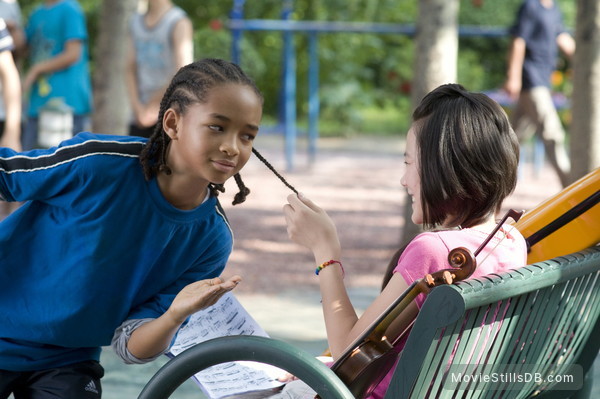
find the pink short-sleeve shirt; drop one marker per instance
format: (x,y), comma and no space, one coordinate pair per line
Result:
(428,253)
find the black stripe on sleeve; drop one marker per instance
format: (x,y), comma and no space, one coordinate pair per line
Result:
(23,163)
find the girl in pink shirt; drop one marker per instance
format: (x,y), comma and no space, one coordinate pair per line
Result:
(461,163)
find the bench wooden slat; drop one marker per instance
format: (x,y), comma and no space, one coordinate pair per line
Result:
(543,314)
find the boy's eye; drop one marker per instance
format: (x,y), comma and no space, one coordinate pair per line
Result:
(249,137)
(216,128)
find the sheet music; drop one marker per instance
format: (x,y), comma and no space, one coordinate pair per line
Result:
(224,318)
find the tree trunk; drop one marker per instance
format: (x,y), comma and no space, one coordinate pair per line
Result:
(111,104)
(436,46)
(585,127)
(436,54)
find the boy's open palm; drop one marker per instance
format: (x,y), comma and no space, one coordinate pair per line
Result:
(199,295)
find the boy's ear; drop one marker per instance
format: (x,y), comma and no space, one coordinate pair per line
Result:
(170,122)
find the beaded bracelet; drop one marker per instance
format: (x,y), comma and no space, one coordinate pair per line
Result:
(328,263)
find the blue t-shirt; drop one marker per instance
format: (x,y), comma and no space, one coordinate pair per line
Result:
(539,27)
(96,244)
(48,30)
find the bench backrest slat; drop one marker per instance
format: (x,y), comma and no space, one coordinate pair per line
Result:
(542,317)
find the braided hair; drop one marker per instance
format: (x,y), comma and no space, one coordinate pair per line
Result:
(190,85)
(272,169)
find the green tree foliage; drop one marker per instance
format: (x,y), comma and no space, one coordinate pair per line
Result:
(357,71)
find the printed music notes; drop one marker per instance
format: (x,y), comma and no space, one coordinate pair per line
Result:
(226,317)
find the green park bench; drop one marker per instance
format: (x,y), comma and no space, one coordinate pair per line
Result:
(542,318)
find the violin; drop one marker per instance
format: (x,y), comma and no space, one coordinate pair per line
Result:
(371,355)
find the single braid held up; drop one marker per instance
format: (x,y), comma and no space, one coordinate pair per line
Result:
(268,165)
(245,191)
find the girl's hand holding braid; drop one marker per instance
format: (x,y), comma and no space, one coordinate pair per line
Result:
(310,226)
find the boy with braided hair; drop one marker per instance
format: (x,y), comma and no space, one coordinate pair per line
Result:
(105,249)
(181,92)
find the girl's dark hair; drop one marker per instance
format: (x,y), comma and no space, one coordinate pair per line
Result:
(190,85)
(468,156)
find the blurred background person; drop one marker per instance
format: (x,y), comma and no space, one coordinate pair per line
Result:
(10,98)
(161,42)
(58,57)
(10,11)
(10,124)
(538,33)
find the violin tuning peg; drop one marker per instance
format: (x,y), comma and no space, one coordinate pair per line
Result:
(448,277)
(429,279)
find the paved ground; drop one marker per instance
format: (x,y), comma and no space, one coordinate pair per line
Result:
(358,182)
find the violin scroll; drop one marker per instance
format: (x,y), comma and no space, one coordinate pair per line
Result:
(463,265)
(465,262)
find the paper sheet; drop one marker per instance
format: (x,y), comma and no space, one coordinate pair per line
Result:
(226,317)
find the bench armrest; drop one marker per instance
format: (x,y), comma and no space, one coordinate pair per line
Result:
(251,348)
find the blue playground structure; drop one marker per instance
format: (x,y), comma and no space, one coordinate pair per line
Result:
(287,115)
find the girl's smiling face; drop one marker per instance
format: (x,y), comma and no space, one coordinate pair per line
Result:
(411,178)
(212,140)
